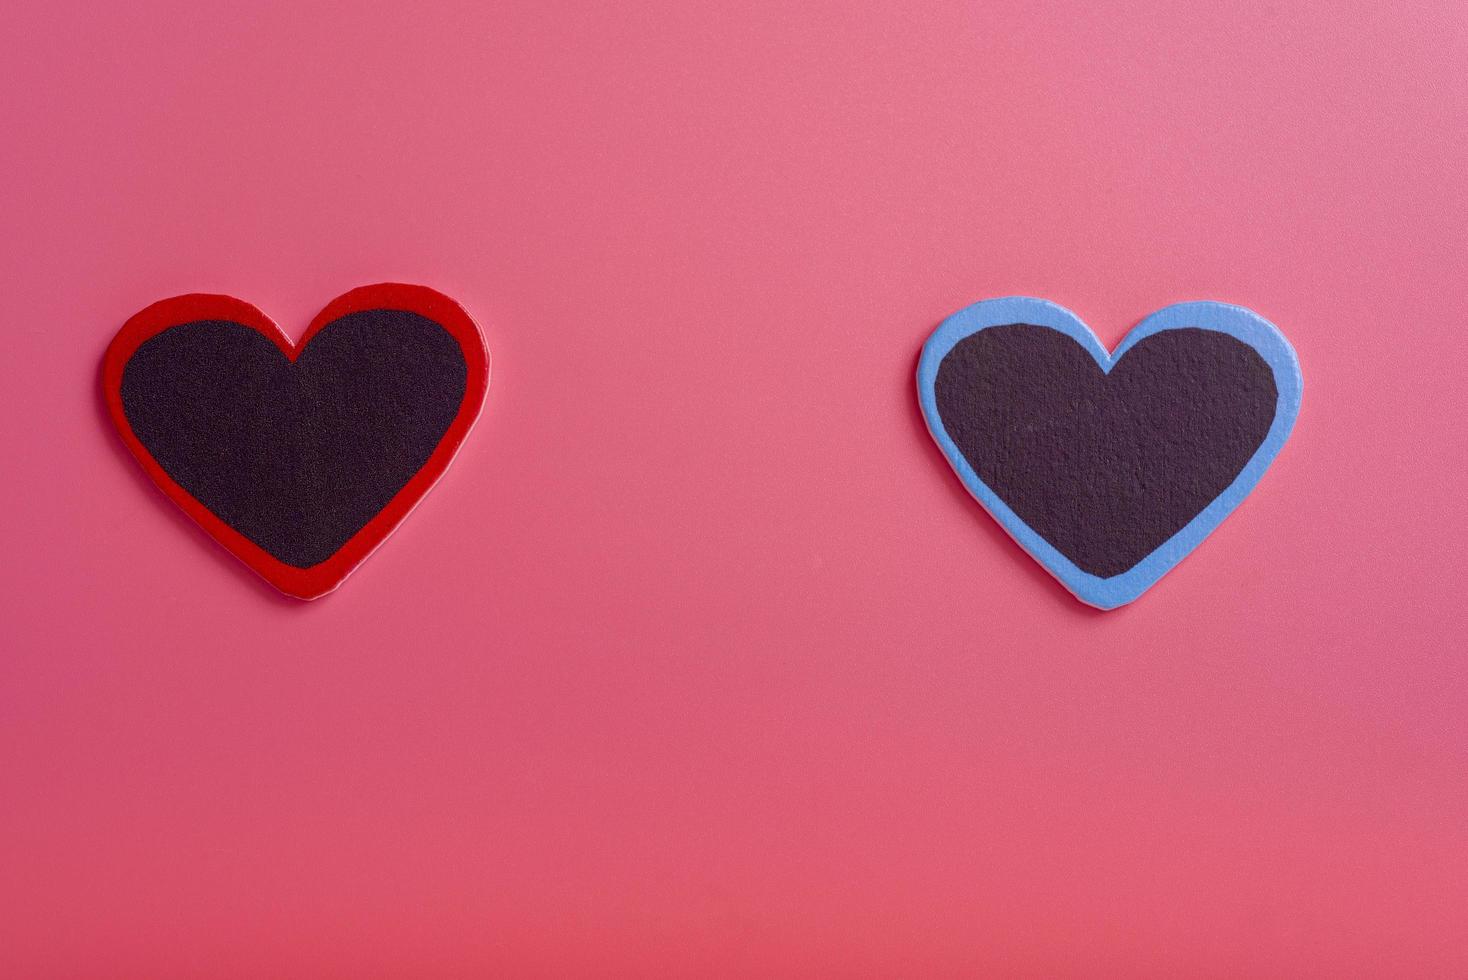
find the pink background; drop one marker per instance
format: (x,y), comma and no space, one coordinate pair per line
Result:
(700,661)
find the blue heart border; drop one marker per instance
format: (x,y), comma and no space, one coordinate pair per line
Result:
(1236,321)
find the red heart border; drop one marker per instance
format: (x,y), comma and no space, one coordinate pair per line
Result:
(324,577)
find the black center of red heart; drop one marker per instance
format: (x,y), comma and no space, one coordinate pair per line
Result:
(297,456)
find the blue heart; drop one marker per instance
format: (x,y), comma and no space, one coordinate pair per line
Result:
(1242,324)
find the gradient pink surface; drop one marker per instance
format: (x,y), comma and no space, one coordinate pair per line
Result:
(700,661)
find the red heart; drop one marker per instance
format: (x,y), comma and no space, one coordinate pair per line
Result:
(387,304)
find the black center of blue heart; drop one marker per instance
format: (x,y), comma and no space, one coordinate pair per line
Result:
(1105,466)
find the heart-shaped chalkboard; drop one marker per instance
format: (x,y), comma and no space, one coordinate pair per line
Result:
(300,459)
(1108,468)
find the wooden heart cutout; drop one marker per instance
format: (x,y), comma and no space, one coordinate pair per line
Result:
(300,459)
(1108,468)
